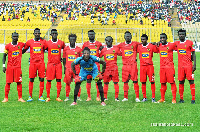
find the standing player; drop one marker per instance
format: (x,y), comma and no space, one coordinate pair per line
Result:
(186,54)
(70,53)
(145,51)
(54,66)
(128,51)
(167,71)
(36,62)
(95,47)
(110,53)
(88,67)
(13,71)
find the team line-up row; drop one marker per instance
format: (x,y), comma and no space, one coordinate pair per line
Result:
(84,64)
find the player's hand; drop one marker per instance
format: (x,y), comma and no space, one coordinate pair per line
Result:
(77,79)
(193,68)
(4,69)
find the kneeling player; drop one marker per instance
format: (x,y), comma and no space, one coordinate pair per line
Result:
(88,67)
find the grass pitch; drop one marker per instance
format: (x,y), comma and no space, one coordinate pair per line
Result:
(91,116)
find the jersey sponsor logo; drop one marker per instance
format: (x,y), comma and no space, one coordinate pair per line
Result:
(55,51)
(163,53)
(182,51)
(71,57)
(93,51)
(128,52)
(145,55)
(36,49)
(15,53)
(110,57)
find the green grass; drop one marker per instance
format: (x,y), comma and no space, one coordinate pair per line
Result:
(91,116)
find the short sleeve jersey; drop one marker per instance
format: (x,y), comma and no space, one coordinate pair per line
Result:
(94,47)
(71,54)
(166,55)
(146,53)
(128,52)
(14,54)
(110,56)
(184,50)
(36,50)
(54,51)
(89,65)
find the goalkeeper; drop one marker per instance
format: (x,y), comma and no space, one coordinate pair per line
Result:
(88,67)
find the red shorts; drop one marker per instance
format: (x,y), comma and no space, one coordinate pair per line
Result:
(185,72)
(34,67)
(54,71)
(147,71)
(13,74)
(98,65)
(69,75)
(129,72)
(167,75)
(111,75)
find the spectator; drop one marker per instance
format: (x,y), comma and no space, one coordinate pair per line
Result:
(28,20)
(3,19)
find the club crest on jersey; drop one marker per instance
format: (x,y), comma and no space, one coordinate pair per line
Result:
(40,44)
(58,46)
(93,52)
(148,49)
(113,51)
(95,46)
(185,45)
(36,49)
(110,57)
(128,52)
(54,51)
(91,64)
(145,55)
(75,52)
(167,48)
(163,53)
(71,57)
(18,47)
(182,51)
(15,53)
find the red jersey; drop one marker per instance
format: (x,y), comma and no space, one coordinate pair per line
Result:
(146,53)
(128,52)
(166,55)
(36,50)
(71,54)
(184,50)
(54,51)
(14,54)
(110,56)
(94,47)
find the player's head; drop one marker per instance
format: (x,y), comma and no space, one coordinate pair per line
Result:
(72,39)
(109,41)
(37,33)
(15,37)
(163,38)
(127,36)
(86,53)
(54,33)
(144,39)
(91,34)
(182,34)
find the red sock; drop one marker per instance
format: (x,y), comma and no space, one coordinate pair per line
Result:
(181,90)
(58,85)
(67,89)
(136,88)
(19,89)
(88,87)
(41,88)
(105,90)
(79,92)
(30,88)
(144,90)
(153,89)
(173,89)
(97,90)
(126,87)
(192,88)
(163,90)
(116,86)
(7,89)
(48,87)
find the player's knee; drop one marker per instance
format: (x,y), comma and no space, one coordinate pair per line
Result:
(134,81)
(126,81)
(31,79)
(89,80)
(181,82)
(106,82)
(58,80)
(48,80)
(115,82)
(41,79)
(152,82)
(143,82)
(191,81)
